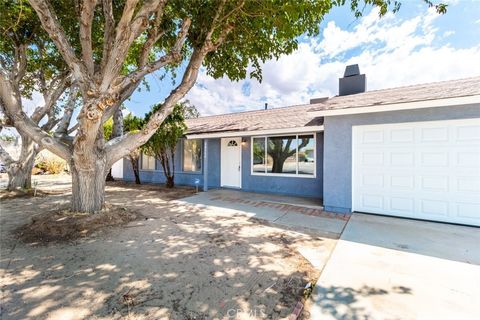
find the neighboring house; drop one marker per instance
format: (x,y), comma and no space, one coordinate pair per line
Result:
(411,151)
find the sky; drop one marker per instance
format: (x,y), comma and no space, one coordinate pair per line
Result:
(415,45)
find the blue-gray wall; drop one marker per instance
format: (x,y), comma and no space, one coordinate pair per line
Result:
(181,178)
(306,187)
(337,183)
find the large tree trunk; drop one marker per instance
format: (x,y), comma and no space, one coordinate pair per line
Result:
(20,172)
(88,186)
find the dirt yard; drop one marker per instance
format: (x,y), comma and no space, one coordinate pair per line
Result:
(178,262)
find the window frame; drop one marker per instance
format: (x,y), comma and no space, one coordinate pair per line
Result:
(291,175)
(182,162)
(141,163)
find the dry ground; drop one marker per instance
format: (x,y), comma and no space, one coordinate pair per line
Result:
(181,262)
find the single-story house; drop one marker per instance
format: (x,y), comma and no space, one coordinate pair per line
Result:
(410,151)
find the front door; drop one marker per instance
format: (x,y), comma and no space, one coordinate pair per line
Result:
(231,160)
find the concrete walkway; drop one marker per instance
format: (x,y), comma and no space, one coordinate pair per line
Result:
(389,268)
(293,213)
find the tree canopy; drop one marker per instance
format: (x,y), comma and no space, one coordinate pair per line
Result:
(108,47)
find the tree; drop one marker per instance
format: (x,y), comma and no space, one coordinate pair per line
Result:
(132,124)
(110,46)
(163,143)
(30,65)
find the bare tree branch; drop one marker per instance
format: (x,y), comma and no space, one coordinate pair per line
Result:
(75,127)
(51,97)
(62,129)
(5,157)
(86,20)
(10,99)
(20,65)
(109,32)
(173,56)
(126,32)
(154,34)
(57,34)
(119,147)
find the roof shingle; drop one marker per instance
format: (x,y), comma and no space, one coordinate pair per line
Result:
(301,115)
(277,118)
(421,92)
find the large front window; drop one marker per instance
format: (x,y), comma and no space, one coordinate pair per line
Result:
(192,155)
(289,155)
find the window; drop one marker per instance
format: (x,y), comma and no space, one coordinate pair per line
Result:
(258,156)
(148,162)
(232,143)
(192,155)
(289,155)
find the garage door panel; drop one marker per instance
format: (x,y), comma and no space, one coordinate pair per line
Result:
(468,133)
(435,134)
(402,182)
(402,158)
(468,185)
(402,205)
(398,136)
(467,159)
(426,170)
(467,210)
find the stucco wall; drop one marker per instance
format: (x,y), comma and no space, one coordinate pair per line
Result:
(182,178)
(306,187)
(337,183)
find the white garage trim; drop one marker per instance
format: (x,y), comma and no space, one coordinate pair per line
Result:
(424,170)
(436,103)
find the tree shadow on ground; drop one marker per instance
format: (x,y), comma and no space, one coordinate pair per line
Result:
(182,262)
(341,302)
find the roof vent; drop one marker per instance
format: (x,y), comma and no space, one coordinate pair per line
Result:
(318,100)
(352,81)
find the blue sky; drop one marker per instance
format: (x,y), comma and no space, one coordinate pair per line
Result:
(414,46)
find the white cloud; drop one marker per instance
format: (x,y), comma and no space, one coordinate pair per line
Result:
(390,51)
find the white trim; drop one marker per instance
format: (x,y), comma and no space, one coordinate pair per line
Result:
(309,129)
(400,106)
(289,175)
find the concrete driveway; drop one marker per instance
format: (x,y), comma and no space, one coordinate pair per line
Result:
(389,268)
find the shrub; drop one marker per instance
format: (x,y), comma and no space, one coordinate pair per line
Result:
(54,166)
(50,163)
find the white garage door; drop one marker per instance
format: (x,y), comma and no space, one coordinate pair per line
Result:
(425,170)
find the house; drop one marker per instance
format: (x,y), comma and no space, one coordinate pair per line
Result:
(410,151)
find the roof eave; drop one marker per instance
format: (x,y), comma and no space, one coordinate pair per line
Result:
(307,129)
(435,103)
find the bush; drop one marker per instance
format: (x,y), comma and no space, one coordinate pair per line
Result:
(50,163)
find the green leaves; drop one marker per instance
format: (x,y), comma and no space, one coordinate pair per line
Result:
(170,131)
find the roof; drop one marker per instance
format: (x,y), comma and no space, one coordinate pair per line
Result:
(276,118)
(305,116)
(414,93)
